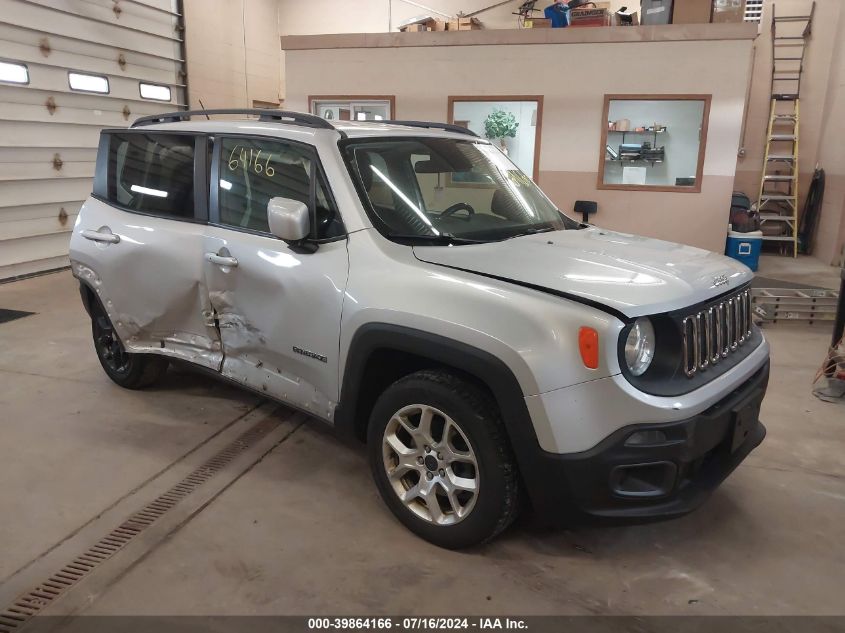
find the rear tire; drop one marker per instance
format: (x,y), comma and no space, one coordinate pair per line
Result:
(441,459)
(131,371)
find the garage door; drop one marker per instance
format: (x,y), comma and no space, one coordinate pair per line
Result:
(69,68)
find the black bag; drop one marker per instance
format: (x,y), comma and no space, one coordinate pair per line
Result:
(742,217)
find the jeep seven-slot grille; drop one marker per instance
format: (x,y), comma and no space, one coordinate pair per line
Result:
(716,332)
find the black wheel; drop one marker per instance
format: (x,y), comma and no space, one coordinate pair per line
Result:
(441,459)
(132,371)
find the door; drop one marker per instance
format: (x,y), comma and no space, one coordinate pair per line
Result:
(140,243)
(278,307)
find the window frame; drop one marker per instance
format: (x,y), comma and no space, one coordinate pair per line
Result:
(102,175)
(14,62)
(142,83)
(451,100)
(317,171)
(88,92)
(315,100)
(702,142)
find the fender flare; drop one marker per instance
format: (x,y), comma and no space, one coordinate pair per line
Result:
(482,365)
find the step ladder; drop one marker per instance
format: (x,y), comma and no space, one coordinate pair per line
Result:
(777,201)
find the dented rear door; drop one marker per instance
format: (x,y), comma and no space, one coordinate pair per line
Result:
(139,240)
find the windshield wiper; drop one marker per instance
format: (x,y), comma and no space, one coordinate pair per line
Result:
(533,231)
(443,238)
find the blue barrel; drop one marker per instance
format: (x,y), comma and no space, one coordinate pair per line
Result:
(745,247)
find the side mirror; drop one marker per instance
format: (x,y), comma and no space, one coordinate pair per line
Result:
(288,219)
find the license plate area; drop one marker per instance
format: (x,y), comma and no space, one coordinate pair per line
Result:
(745,417)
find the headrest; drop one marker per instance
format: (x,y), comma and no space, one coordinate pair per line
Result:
(506,205)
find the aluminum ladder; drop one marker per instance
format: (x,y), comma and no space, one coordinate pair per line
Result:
(777,201)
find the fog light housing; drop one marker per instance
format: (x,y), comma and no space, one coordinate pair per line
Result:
(652,437)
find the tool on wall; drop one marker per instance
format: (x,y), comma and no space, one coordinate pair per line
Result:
(777,202)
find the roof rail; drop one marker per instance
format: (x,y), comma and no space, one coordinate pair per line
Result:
(281,116)
(449,127)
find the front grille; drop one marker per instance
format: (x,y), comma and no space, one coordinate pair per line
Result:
(715,332)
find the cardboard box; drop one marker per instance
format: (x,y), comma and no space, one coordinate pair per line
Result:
(728,11)
(414,28)
(463,24)
(588,17)
(692,11)
(538,23)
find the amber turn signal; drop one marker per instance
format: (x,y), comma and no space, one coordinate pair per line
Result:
(588,344)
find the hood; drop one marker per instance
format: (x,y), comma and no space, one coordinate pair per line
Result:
(627,273)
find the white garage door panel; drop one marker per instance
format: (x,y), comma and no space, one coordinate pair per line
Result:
(13,134)
(19,156)
(59,44)
(102,12)
(77,116)
(32,16)
(28,249)
(56,79)
(36,227)
(31,55)
(25,213)
(32,96)
(44,170)
(38,202)
(33,254)
(21,192)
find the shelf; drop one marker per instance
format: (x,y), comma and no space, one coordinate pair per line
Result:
(633,160)
(635,132)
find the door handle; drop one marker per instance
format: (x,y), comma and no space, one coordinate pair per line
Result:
(220,260)
(99,236)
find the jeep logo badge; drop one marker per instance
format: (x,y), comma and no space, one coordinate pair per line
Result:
(720,280)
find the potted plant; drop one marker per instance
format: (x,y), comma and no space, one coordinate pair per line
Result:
(500,124)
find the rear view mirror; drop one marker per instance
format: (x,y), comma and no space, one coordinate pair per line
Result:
(288,219)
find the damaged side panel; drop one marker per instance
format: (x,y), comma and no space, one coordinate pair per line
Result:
(150,282)
(279,316)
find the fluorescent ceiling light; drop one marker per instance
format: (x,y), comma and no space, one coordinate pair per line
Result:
(155,92)
(14,73)
(225,184)
(150,192)
(88,83)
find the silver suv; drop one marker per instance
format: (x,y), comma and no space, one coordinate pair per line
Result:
(407,284)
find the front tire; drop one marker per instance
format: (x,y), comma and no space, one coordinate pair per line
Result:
(131,371)
(441,459)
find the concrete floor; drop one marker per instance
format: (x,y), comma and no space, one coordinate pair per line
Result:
(303,531)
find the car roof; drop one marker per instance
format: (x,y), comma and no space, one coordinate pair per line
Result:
(282,129)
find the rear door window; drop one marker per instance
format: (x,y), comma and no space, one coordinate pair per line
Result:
(152,173)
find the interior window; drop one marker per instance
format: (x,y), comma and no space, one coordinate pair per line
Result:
(152,173)
(253,171)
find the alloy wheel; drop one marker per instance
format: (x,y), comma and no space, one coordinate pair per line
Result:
(430,464)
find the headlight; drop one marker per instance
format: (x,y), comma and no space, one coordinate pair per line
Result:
(639,346)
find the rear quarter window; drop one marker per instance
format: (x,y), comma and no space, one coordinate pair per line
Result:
(152,173)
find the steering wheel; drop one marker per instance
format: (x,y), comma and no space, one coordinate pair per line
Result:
(458,206)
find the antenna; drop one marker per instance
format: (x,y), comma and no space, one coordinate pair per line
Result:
(203,107)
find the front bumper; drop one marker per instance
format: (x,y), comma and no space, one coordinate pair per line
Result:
(669,476)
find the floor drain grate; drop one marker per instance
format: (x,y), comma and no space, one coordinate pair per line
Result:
(28,604)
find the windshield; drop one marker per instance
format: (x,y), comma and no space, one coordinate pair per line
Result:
(442,190)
